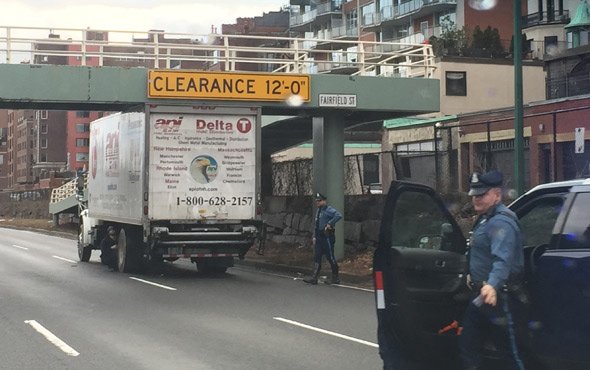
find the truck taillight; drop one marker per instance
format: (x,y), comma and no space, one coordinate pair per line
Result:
(258,210)
(379,290)
(145,210)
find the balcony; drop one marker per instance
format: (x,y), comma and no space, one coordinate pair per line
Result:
(394,12)
(298,19)
(543,18)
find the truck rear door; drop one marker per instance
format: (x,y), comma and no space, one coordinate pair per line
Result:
(203,163)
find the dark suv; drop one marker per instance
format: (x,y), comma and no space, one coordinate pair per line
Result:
(420,265)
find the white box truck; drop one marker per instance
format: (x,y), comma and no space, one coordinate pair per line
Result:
(175,182)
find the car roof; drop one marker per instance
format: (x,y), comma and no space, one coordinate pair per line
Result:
(553,187)
(560,184)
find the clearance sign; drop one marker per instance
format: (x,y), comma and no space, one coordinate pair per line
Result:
(226,86)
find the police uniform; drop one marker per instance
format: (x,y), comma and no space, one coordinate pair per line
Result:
(325,222)
(496,258)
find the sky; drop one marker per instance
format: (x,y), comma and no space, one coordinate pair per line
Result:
(181,16)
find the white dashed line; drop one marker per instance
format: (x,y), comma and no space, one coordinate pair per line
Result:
(64,259)
(19,247)
(150,283)
(342,336)
(52,338)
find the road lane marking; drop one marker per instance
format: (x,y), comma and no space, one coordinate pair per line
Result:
(19,247)
(64,259)
(52,338)
(342,336)
(150,283)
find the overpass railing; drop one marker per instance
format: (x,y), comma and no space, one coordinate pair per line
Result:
(159,49)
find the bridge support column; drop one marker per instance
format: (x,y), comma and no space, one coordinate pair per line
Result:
(266,175)
(328,168)
(55,219)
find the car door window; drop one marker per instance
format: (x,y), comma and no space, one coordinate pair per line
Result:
(418,222)
(538,219)
(576,231)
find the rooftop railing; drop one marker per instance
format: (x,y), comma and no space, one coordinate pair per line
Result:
(159,49)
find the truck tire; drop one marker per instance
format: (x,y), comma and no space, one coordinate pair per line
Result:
(128,254)
(84,252)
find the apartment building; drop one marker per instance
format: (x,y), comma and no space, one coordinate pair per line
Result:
(4,169)
(35,147)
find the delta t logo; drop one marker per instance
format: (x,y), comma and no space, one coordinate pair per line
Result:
(168,126)
(243,125)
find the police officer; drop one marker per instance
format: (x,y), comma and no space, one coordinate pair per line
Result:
(324,239)
(496,263)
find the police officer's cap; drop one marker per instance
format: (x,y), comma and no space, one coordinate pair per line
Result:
(320,196)
(111,230)
(481,183)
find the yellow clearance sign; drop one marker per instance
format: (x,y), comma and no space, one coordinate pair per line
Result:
(226,86)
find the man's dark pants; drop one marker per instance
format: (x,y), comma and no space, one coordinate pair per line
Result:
(495,323)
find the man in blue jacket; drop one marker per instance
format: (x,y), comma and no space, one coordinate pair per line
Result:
(496,265)
(324,239)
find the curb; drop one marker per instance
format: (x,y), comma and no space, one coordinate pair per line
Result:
(265,266)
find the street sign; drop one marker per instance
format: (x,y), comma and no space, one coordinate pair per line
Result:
(579,140)
(227,86)
(337,100)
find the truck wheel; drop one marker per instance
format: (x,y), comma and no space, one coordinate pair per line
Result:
(84,252)
(128,254)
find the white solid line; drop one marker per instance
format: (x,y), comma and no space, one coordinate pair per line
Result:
(150,283)
(52,338)
(370,344)
(19,247)
(64,259)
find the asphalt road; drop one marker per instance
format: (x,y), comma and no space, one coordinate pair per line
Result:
(58,313)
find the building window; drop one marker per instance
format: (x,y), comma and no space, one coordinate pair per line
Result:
(43,143)
(82,127)
(83,114)
(81,157)
(43,157)
(456,83)
(351,20)
(44,128)
(80,143)
(44,114)
(415,148)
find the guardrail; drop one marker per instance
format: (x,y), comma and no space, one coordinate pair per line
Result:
(159,49)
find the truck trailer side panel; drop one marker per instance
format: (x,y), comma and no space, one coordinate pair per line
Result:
(115,178)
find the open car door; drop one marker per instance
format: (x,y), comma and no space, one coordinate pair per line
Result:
(419,268)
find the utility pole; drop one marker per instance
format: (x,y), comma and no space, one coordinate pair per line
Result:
(518,109)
